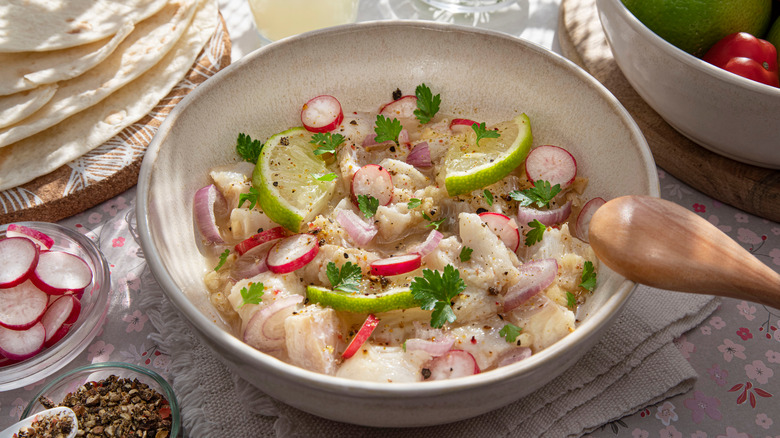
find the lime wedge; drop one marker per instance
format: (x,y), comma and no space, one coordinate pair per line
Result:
(359,303)
(285,178)
(469,166)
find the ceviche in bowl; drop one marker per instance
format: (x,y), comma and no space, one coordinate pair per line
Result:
(405,237)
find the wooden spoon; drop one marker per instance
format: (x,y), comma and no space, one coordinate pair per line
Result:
(661,244)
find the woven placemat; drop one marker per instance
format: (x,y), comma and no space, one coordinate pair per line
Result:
(112,167)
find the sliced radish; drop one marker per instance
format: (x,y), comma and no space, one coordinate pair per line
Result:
(292,253)
(454,363)
(22,344)
(586,214)
(359,231)
(361,336)
(61,313)
(551,163)
(396,265)
(41,239)
(430,244)
(549,218)
(435,348)
(22,306)
(57,335)
(402,108)
(322,114)
(265,329)
(210,208)
(535,276)
(18,258)
(420,156)
(259,238)
(514,355)
(375,181)
(252,262)
(58,272)
(503,227)
(461,125)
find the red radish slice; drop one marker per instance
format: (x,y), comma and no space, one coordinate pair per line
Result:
(435,348)
(18,258)
(551,163)
(461,125)
(549,218)
(253,262)
(361,336)
(403,108)
(535,277)
(22,306)
(373,180)
(64,311)
(58,272)
(210,208)
(322,114)
(41,239)
(265,329)
(396,265)
(503,227)
(514,355)
(359,231)
(430,244)
(454,363)
(292,253)
(57,335)
(420,156)
(22,344)
(259,238)
(586,214)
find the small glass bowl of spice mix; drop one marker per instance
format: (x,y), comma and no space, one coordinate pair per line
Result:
(114,399)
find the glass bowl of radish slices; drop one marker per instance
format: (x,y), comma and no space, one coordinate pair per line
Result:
(54,290)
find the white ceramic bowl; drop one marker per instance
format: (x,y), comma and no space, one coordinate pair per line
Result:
(725,113)
(493,74)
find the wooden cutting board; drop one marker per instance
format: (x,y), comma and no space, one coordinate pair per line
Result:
(753,189)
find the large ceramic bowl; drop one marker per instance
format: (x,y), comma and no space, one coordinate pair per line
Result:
(492,74)
(725,113)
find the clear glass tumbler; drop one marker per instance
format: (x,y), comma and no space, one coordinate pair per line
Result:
(277,19)
(469,6)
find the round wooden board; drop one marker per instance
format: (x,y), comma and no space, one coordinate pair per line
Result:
(752,189)
(113,167)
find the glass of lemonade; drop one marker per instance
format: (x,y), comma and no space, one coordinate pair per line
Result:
(277,19)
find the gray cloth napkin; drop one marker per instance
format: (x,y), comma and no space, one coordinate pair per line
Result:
(633,366)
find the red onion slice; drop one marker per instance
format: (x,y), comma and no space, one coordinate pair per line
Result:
(535,277)
(435,348)
(252,262)
(430,244)
(586,214)
(514,355)
(360,232)
(209,207)
(265,329)
(549,218)
(259,239)
(420,156)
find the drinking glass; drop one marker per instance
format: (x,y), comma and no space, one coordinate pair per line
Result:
(469,6)
(277,19)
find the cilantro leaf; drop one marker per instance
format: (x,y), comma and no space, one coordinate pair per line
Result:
(488,196)
(541,194)
(465,254)
(252,197)
(247,148)
(433,224)
(222,259)
(536,233)
(483,132)
(588,277)
(427,103)
(252,296)
(368,205)
(413,203)
(387,129)
(327,177)
(435,291)
(326,142)
(347,279)
(510,332)
(571,300)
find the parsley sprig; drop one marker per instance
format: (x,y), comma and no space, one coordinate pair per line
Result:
(427,103)
(252,197)
(253,295)
(541,194)
(347,279)
(483,132)
(435,291)
(510,332)
(367,205)
(588,276)
(326,177)
(536,233)
(326,142)
(387,129)
(433,224)
(571,300)
(222,259)
(413,203)
(488,196)
(465,254)
(247,148)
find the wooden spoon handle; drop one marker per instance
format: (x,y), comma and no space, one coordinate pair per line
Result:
(661,244)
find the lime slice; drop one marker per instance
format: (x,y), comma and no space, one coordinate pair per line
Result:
(359,303)
(469,166)
(285,178)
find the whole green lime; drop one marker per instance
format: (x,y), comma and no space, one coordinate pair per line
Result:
(695,25)
(774,37)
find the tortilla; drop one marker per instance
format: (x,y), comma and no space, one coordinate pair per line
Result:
(46,151)
(16,107)
(26,70)
(38,25)
(146,45)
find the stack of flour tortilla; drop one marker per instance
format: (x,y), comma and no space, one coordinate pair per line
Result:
(74,73)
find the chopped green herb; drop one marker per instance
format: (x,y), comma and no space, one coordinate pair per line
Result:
(433,224)
(326,142)
(368,205)
(346,280)
(387,129)
(327,177)
(413,203)
(252,296)
(571,300)
(427,103)
(435,291)
(483,132)
(536,233)
(465,254)
(588,276)
(540,194)
(488,196)
(253,196)
(222,259)
(247,148)
(510,332)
